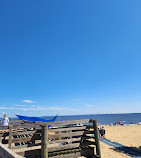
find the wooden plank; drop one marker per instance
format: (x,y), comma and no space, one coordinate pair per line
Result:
(34,136)
(69,122)
(37,124)
(86,152)
(72,154)
(26,146)
(91,140)
(60,122)
(58,147)
(24,126)
(92,146)
(68,134)
(7,153)
(91,129)
(26,139)
(16,121)
(4,128)
(89,135)
(65,140)
(19,140)
(68,129)
(63,154)
(52,149)
(27,123)
(25,132)
(68,146)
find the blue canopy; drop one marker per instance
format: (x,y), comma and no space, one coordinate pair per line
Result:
(35,119)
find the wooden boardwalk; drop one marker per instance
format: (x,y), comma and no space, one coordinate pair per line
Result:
(60,139)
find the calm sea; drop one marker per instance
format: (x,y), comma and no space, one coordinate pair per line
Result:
(104,118)
(101,118)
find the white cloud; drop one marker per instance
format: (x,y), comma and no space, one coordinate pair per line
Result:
(89,105)
(20,105)
(39,108)
(28,101)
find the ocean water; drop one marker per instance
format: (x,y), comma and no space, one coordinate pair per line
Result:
(104,118)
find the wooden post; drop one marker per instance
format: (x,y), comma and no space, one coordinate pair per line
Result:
(1,138)
(44,141)
(96,136)
(10,136)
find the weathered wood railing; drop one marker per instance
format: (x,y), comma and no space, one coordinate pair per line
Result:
(56,139)
(7,153)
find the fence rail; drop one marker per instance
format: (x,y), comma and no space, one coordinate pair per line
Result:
(75,137)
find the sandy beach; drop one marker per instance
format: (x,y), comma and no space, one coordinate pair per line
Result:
(127,135)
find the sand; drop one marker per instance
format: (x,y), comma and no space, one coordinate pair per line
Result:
(108,152)
(127,135)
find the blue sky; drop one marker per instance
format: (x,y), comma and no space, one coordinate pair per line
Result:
(70,57)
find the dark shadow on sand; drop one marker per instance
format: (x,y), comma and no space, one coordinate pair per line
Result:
(131,151)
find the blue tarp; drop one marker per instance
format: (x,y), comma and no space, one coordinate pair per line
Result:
(35,119)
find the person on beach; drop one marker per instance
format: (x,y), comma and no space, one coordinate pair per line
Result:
(5,121)
(102,132)
(99,132)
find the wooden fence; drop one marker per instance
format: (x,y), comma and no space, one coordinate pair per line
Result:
(7,153)
(56,139)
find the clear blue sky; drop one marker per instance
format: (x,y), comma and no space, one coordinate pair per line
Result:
(70,57)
